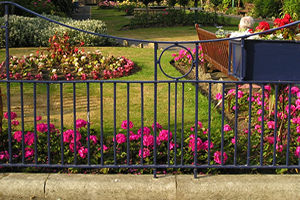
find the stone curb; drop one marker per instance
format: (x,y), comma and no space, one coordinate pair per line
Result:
(88,186)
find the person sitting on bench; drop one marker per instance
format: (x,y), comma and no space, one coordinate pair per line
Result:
(245,27)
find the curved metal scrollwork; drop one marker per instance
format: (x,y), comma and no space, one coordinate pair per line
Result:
(184,75)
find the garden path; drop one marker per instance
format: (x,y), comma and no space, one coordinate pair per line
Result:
(83,12)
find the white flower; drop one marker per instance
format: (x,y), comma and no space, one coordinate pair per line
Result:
(82,58)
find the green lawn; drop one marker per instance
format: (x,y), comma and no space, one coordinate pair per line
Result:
(144,59)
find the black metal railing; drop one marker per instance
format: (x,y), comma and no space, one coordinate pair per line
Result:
(176,146)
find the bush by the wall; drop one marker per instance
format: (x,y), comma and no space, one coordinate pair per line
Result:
(267,8)
(176,17)
(27,31)
(292,7)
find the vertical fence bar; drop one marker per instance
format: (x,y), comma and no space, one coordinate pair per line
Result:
(142,123)
(249,124)
(209,123)
(48,124)
(88,121)
(155,108)
(235,125)
(34,120)
(262,126)
(182,125)
(175,124)
(169,120)
(289,126)
(74,116)
(8,83)
(115,125)
(128,119)
(223,116)
(275,130)
(101,123)
(22,123)
(61,123)
(196,110)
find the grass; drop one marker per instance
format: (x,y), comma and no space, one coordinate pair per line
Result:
(115,20)
(144,59)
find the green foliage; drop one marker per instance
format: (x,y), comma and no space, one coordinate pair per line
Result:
(183,2)
(171,3)
(267,8)
(28,31)
(64,6)
(42,6)
(173,17)
(292,7)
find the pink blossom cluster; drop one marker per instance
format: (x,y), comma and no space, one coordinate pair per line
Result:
(186,56)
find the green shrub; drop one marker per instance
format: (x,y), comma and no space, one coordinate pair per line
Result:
(292,7)
(267,8)
(28,31)
(173,17)
(41,6)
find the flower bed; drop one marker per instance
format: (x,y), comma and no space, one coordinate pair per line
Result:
(63,61)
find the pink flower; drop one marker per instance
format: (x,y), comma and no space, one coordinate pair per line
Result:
(297,152)
(82,152)
(240,94)
(68,136)
(298,129)
(233,140)
(4,155)
(271,124)
(158,126)
(146,152)
(270,139)
(15,122)
(93,138)
(259,111)
(28,152)
(295,90)
(298,94)
(205,145)
(38,118)
(217,157)
(120,138)
(18,136)
(227,128)
(43,128)
(133,136)
(148,140)
(29,138)
(146,131)
(219,96)
(192,143)
(200,125)
(124,124)
(258,128)
(80,123)
(13,115)
(163,135)
(279,148)
(268,88)
(71,145)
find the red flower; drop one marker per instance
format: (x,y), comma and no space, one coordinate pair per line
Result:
(263,26)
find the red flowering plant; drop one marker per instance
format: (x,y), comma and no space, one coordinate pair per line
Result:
(65,61)
(289,33)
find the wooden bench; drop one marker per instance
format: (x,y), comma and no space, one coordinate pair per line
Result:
(215,53)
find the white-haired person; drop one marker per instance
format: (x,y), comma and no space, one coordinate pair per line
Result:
(245,27)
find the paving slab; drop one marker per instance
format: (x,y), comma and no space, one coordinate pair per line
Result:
(22,186)
(86,186)
(239,187)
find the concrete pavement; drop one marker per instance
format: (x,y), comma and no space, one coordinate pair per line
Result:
(90,186)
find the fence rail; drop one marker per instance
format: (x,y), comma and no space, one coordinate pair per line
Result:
(251,124)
